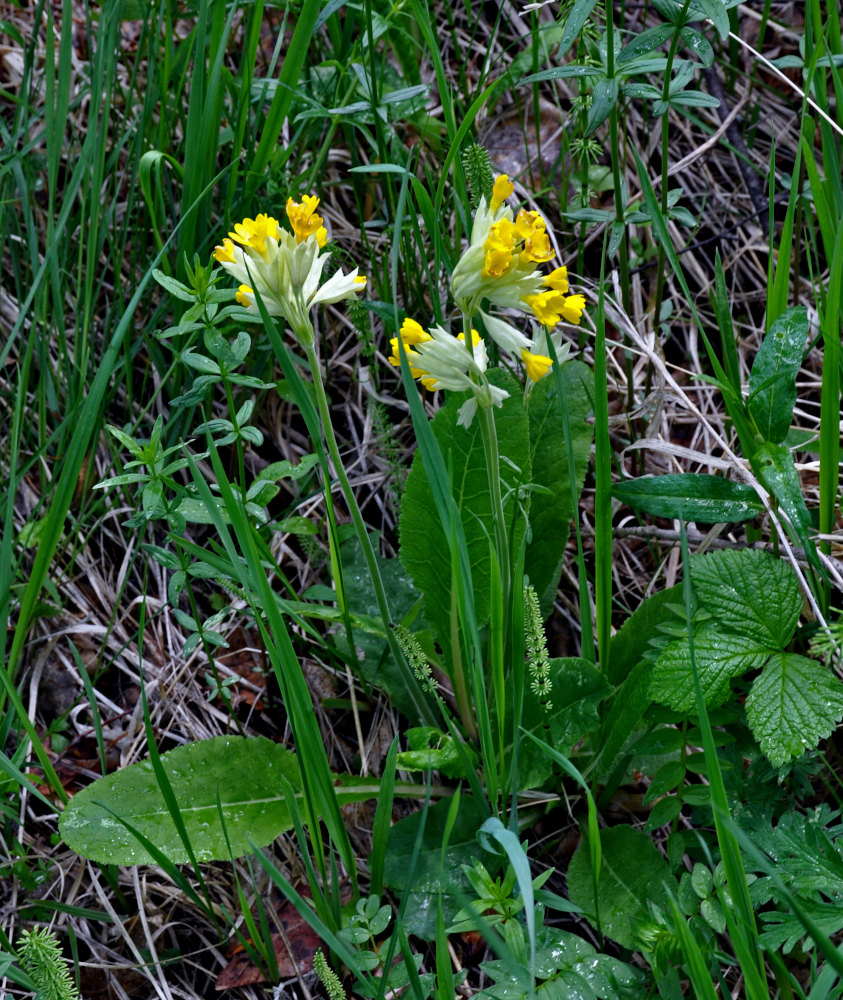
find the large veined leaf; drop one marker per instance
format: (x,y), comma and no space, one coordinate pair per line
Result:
(632,875)
(772,381)
(242,776)
(571,969)
(418,870)
(551,507)
(377,666)
(691,497)
(749,591)
(719,656)
(424,548)
(795,703)
(578,688)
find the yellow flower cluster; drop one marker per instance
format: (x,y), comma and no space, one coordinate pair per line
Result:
(441,361)
(285,268)
(510,244)
(553,305)
(501,265)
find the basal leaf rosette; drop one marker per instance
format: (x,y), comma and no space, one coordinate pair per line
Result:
(502,266)
(283,268)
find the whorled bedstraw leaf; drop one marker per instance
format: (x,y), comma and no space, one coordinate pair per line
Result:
(795,703)
(719,656)
(749,591)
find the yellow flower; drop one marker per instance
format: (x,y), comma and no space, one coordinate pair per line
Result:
(254,232)
(303,220)
(558,280)
(551,307)
(501,261)
(284,269)
(443,362)
(536,365)
(502,189)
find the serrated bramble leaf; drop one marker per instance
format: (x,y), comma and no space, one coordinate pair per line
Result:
(749,591)
(719,657)
(691,496)
(795,703)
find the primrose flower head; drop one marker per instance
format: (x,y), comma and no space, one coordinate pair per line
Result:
(284,269)
(502,266)
(441,361)
(501,261)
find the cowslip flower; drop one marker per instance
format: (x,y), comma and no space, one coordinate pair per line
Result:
(501,262)
(502,265)
(441,361)
(285,268)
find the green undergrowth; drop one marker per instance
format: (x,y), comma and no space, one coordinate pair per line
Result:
(509,489)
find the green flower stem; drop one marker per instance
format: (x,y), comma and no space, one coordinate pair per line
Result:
(490,446)
(421,703)
(493,471)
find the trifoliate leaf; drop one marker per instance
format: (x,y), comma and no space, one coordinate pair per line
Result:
(795,703)
(749,591)
(719,657)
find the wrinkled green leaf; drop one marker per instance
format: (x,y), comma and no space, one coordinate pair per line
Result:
(377,666)
(245,774)
(795,703)
(242,776)
(551,508)
(432,881)
(749,591)
(424,549)
(719,657)
(578,688)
